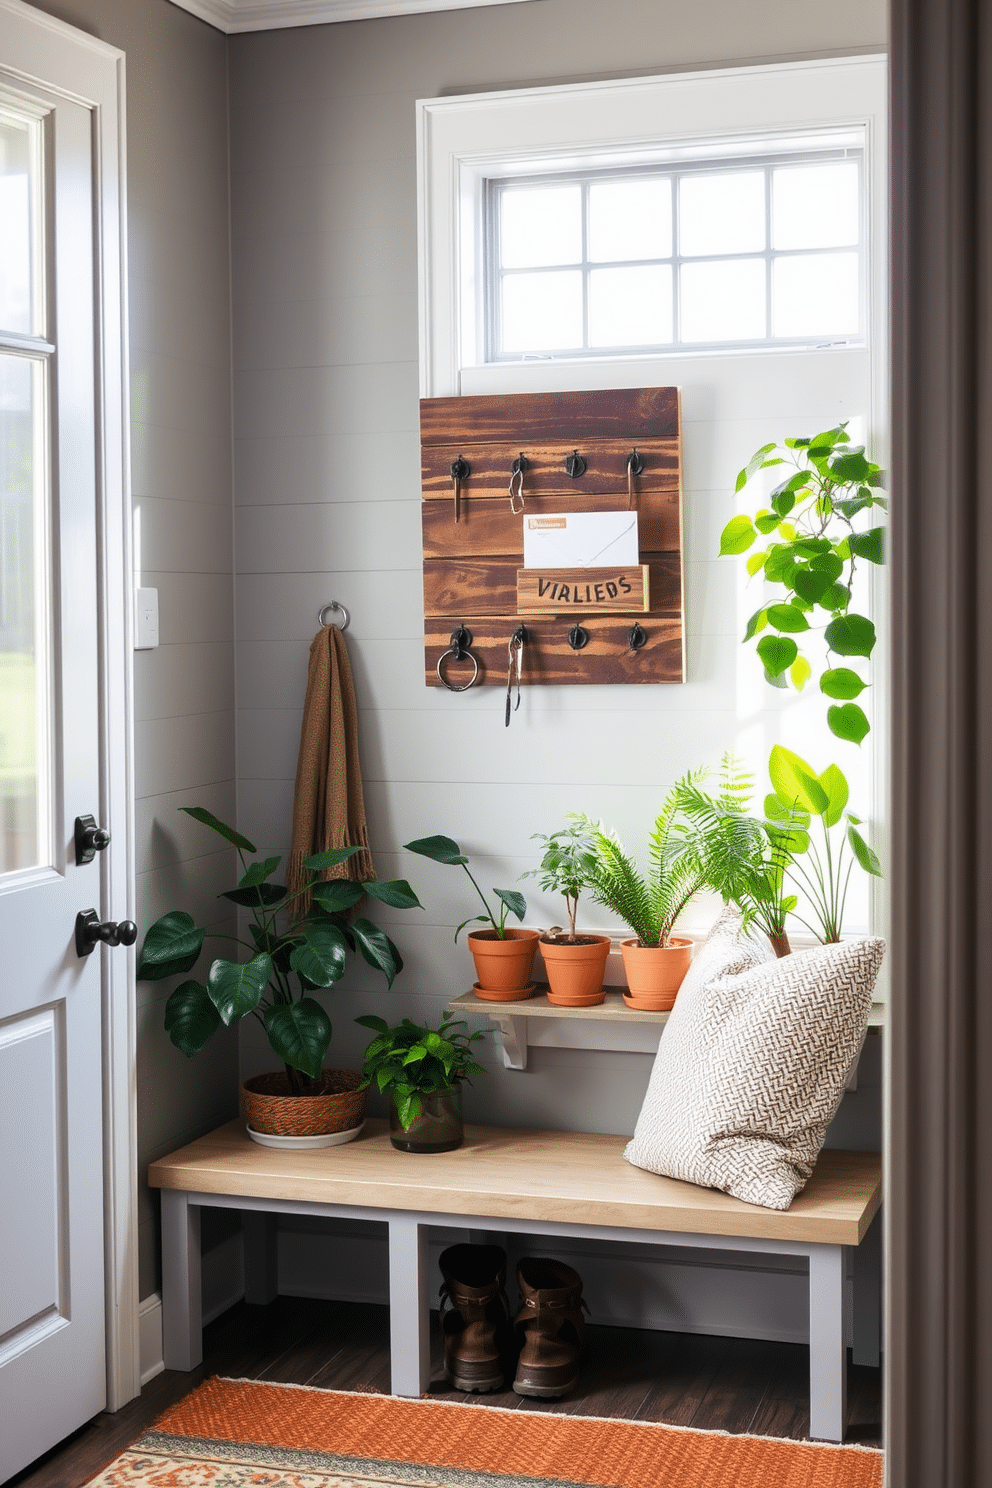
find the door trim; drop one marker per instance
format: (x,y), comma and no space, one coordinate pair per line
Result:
(89,71)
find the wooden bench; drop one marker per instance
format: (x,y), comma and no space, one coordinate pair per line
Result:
(522,1181)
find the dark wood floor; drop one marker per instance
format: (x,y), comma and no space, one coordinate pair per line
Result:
(722,1384)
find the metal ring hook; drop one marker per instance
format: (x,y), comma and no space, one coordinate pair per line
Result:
(466,685)
(334,605)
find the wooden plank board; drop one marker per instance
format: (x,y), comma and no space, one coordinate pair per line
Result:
(569,1177)
(548,658)
(488,528)
(636,414)
(488,586)
(606,473)
(603,591)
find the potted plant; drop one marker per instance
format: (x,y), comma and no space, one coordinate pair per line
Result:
(744,859)
(575,964)
(503,956)
(800,794)
(655,961)
(303,1099)
(422,1071)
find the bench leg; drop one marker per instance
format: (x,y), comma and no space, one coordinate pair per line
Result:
(868,1297)
(827,1354)
(409,1306)
(261,1256)
(182,1319)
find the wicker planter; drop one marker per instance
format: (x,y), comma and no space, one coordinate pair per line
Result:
(269,1107)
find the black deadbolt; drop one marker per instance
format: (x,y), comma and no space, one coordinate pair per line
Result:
(89,931)
(90,839)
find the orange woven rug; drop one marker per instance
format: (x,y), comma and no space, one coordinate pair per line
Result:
(242,1434)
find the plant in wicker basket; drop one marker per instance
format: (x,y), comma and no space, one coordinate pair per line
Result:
(310,952)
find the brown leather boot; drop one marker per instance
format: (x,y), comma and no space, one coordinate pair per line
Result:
(477,1331)
(550,1328)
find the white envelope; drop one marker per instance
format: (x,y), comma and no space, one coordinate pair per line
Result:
(581,540)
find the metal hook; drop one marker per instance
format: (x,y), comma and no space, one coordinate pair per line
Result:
(459,642)
(333,605)
(635,462)
(520,464)
(637,636)
(578,637)
(575,465)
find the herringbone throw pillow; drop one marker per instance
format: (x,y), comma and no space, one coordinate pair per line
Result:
(752,1064)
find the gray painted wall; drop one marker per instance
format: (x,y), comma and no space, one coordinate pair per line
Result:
(180,338)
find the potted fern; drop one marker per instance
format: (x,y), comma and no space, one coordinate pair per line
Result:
(575,964)
(655,960)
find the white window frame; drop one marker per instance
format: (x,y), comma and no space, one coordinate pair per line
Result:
(465,140)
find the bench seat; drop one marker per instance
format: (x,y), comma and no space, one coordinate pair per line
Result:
(524,1181)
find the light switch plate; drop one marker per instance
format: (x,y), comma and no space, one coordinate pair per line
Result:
(145,619)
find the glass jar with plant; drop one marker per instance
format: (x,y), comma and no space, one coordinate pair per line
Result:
(503,956)
(575,964)
(312,952)
(655,960)
(814,515)
(422,1070)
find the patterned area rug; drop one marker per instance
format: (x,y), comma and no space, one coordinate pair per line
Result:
(242,1434)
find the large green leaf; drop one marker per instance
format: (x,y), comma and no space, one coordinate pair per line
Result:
(837,791)
(848,721)
(190,1018)
(800,673)
(171,947)
(369,1020)
(766,521)
(337,894)
(864,854)
(787,617)
(377,948)
(514,901)
(781,563)
(321,955)
(755,463)
(393,891)
(850,635)
(259,896)
(810,585)
(795,782)
(236,987)
(259,871)
(757,622)
(330,858)
(777,653)
(299,1033)
(813,547)
(201,814)
(850,467)
(870,544)
(439,849)
(737,536)
(841,683)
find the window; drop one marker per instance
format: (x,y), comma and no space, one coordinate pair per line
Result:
(756,251)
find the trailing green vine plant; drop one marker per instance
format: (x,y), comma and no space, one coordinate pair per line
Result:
(812,515)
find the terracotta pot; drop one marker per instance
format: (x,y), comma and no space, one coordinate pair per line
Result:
(655,973)
(269,1106)
(512,994)
(575,972)
(503,965)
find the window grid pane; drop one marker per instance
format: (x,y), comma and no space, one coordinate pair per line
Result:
(777,301)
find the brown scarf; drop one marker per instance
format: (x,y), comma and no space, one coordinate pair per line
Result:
(328,804)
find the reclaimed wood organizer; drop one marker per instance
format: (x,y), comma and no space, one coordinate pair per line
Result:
(473,565)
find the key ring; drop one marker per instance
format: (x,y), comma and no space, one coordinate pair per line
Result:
(460,641)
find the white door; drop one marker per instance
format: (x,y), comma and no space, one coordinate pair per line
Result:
(57,676)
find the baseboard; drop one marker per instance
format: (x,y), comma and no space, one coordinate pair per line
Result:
(150,1361)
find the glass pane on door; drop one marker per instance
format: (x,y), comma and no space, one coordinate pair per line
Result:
(20,197)
(25,807)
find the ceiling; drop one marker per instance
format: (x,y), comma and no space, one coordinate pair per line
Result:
(270,15)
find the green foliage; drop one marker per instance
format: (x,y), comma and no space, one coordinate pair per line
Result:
(313,949)
(651,902)
(744,859)
(410,1061)
(445,850)
(566,867)
(814,558)
(823,875)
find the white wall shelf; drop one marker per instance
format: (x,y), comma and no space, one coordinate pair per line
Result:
(612,1025)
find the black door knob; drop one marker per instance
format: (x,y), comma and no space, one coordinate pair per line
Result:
(90,839)
(89,931)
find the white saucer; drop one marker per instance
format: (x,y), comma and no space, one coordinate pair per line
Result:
(303,1144)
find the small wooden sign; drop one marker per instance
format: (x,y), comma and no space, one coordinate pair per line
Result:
(563,591)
